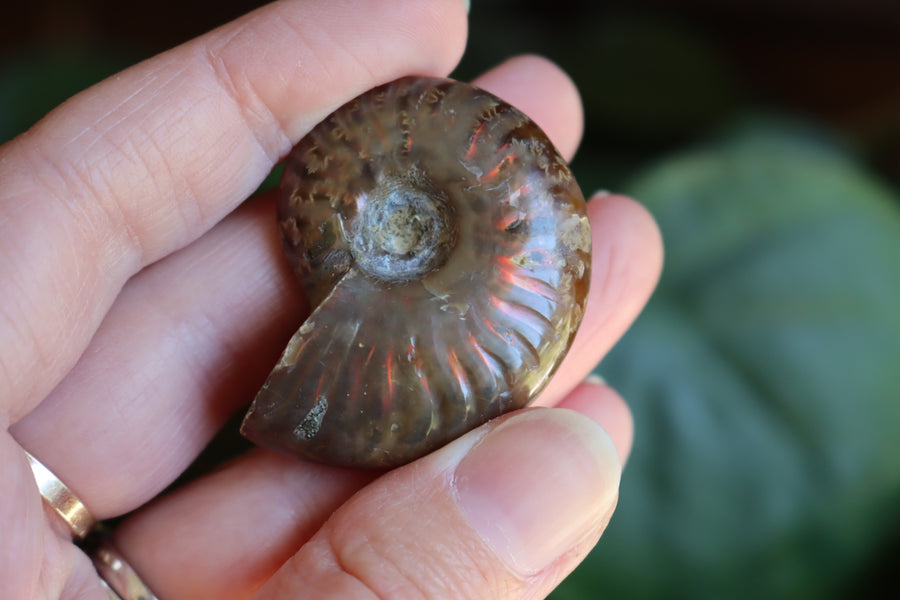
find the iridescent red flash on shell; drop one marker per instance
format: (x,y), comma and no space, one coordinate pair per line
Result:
(445,250)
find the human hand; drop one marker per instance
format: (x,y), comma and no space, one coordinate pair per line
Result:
(142,303)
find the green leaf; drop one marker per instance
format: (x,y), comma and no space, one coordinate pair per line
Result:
(764,378)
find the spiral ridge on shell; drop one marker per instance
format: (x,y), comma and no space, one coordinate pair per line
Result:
(445,250)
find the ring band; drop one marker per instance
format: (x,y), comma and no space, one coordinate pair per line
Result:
(111,592)
(119,575)
(61,499)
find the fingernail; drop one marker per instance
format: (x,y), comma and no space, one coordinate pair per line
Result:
(538,485)
(467,4)
(595,379)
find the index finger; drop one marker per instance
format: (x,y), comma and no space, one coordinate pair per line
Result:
(145,162)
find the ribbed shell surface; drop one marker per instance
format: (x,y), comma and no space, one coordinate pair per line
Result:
(386,369)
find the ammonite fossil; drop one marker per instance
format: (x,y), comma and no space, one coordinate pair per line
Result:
(445,250)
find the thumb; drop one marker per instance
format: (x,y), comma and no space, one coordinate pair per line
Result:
(506,511)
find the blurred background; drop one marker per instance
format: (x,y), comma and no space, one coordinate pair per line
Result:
(764,135)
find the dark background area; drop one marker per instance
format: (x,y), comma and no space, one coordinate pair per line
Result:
(686,64)
(660,79)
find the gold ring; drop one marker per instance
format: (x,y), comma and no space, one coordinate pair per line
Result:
(109,591)
(61,499)
(119,575)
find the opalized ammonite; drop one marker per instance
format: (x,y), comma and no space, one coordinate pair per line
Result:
(444,247)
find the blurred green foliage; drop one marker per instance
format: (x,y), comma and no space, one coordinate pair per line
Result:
(763,377)
(764,373)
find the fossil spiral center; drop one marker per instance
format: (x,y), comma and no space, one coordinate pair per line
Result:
(403,231)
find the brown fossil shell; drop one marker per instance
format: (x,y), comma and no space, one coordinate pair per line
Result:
(444,247)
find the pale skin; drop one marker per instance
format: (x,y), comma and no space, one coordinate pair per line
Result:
(142,302)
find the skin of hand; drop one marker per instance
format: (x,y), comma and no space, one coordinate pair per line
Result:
(143,301)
